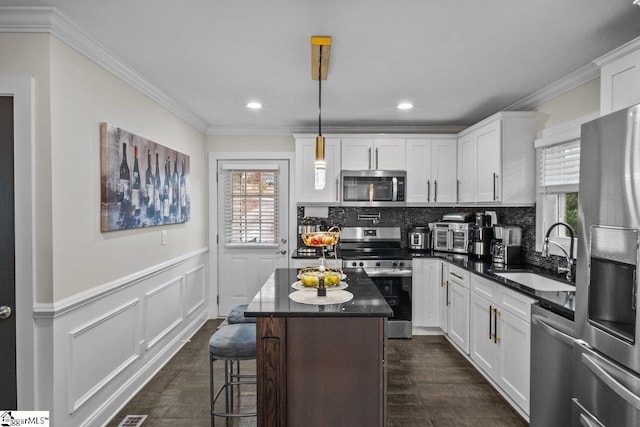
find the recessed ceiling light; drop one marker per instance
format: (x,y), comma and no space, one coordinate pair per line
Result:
(405,106)
(254,105)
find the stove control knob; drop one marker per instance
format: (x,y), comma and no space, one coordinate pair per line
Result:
(394,264)
(361,264)
(354,263)
(377,263)
(401,264)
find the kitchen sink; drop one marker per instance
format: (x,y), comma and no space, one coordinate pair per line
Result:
(535,281)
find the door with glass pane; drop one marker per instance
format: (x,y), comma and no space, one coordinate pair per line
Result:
(253,206)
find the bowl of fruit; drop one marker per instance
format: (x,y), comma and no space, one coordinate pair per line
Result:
(322,238)
(309,277)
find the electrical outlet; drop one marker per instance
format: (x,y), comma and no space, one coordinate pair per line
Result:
(163,237)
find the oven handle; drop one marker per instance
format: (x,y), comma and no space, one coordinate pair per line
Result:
(389,273)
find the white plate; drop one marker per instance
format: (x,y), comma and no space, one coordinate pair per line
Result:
(300,287)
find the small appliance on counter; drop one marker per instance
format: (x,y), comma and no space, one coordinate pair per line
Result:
(481,236)
(506,246)
(453,233)
(419,238)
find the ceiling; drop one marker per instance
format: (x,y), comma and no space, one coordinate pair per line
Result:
(456,61)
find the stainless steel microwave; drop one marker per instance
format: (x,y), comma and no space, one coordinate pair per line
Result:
(373,187)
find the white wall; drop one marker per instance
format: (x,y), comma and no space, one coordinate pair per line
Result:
(578,102)
(244,143)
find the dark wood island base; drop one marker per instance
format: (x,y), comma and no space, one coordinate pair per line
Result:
(321,365)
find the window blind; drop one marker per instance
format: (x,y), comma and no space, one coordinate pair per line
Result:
(250,206)
(559,167)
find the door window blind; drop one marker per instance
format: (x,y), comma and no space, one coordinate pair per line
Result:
(559,167)
(250,206)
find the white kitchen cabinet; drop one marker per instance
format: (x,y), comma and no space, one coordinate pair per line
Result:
(431,169)
(620,77)
(496,160)
(305,191)
(444,297)
(500,337)
(426,292)
(364,153)
(459,307)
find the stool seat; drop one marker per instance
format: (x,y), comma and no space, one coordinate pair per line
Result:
(234,342)
(236,315)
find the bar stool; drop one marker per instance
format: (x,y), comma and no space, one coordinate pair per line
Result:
(231,343)
(236,315)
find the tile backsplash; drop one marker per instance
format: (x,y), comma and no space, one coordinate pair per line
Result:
(407,217)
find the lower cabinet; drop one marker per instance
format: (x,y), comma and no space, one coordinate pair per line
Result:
(425,299)
(500,339)
(458,307)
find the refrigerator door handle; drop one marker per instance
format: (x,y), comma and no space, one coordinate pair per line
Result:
(544,323)
(611,382)
(634,290)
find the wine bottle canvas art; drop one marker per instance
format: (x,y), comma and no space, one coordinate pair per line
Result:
(144,184)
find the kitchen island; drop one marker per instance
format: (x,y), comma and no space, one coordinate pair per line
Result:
(320,365)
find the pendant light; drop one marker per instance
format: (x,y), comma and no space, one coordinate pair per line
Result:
(318,54)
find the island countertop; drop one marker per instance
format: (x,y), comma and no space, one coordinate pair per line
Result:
(272,300)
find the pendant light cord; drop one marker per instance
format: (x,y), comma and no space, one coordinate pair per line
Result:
(320,94)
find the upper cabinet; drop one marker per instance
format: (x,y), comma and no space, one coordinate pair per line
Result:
(620,77)
(496,160)
(431,169)
(305,191)
(378,153)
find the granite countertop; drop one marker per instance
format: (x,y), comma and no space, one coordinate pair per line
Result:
(273,298)
(561,302)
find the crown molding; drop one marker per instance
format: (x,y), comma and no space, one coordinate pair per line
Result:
(618,53)
(565,84)
(338,130)
(48,20)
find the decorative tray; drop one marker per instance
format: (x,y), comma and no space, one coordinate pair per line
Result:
(301,287)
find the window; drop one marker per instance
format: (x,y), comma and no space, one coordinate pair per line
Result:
(251,206)
(558,176)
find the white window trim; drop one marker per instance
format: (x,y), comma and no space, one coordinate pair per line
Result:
(559,134)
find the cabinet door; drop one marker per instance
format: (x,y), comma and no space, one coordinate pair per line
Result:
(459,316)
(426,292)
(466,168)
(514,337)
(620,83)
(389,154)
(305,174)
(444,296)
(357,153)
(488,154)
(443,171)
(483,349)
(419,183)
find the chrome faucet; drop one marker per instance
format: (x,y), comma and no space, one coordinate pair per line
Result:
(569,256)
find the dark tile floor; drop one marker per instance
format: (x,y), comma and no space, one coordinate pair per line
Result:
(429,384)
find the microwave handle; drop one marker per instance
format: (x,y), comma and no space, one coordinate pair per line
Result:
(394,196)
(371,193)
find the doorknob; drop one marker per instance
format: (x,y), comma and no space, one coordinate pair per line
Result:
(5,312)
(282,251)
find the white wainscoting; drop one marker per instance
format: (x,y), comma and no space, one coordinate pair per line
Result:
(95,351)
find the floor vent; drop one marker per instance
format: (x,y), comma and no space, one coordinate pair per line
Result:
(132,421)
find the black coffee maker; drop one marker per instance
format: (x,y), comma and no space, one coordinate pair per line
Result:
(481,236)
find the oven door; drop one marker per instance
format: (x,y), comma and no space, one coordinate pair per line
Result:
(459,241)
(396,290)
(441,239)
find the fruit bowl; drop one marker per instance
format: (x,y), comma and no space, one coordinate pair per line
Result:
(309,277)
(322,238)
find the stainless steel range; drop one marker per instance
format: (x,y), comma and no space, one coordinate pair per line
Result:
(378,250)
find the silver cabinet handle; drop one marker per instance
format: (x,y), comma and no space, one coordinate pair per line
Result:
(435,191)
(376,158)
(5,312)
(495,177)
(611,382)
(337,189)
(457,190)
(369,157)
(456,275)
(428,190)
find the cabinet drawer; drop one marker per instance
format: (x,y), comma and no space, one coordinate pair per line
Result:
(485,288)
(519,305)
(459,276)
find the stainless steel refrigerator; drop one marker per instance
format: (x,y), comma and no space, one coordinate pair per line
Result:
(607,352)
